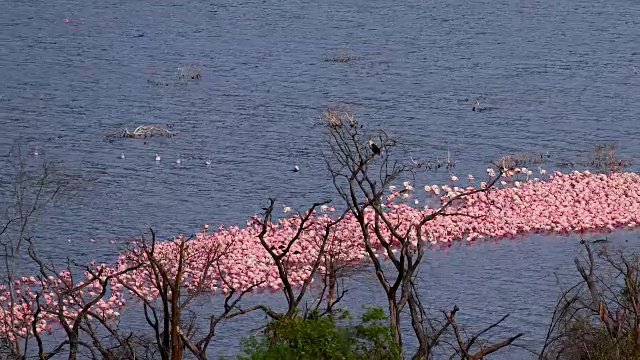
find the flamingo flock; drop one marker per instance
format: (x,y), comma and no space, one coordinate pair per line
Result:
(234,259)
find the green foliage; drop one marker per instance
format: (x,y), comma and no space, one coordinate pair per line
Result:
(374,335)
(323,337)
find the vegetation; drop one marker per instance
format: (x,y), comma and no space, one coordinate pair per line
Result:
(596,319)
(599,317)
(321,337)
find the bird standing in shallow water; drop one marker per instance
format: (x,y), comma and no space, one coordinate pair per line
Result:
(374,148)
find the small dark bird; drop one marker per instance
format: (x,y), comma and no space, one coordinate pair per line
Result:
(374,148)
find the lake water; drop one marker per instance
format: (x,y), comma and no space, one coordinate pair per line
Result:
(557,75)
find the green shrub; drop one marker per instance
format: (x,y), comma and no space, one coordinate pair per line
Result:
(323,337)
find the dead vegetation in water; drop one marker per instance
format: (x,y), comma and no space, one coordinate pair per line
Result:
(601,157)
(523,159)
(183,77)
(604,157)
(337,116)
(188,73)
(447,163)
(341,58)
(143,132)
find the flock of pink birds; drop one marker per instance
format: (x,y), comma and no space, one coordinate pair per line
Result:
(233,259)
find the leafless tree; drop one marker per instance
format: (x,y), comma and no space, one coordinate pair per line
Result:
(294,295)
(599,317)
(165,314)
(25,193)
(52,295)
(362,168)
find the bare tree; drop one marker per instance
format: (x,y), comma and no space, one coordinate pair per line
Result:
(362,169)
(25,193)
(74,305)
(280,257)
(53,296)
(599,317)
(167,278)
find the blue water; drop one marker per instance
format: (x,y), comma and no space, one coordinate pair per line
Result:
(557,75)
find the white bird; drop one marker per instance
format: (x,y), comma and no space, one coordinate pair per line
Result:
(208,162)
(157,157)
(296,168)
(69,240)
(122,156)
(35,152)
(178,161)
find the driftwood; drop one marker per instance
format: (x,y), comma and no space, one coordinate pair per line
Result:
(143,131)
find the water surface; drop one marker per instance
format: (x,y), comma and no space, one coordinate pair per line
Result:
(558,75)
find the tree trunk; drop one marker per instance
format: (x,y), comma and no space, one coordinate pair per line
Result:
(332,291)
(394,322)
(418,329)
(73,346)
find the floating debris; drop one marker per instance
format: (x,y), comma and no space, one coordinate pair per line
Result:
(341,58)
(142,131)
(184,75)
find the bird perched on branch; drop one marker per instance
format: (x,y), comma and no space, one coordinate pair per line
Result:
(374,148)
